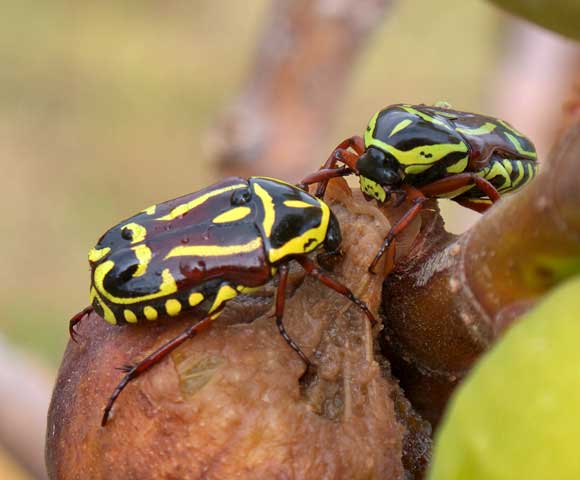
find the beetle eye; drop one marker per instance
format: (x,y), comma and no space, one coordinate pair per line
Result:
(241,196)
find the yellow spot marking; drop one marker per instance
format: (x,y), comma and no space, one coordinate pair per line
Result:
(195,299)
(96,254)
(372,189)
(456,193)
(269,209)
(144,255)
(401,126)
(485,129)
(516,143)
(150,210)
(431,153)
(425,117)
(297,244)
(233,215)
(172,307)
(182,209)
(297,204)
(167,287)
(150,313)
(129,316)
(225,293)
(458,166)
(214,250)
(108,314)
(139,232)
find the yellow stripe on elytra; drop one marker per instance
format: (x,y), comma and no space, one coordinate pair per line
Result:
(497,169)
(521,173)
(297,244)
(144,255)
(459,166)
(424,116)
(413,158)
(108,314)
(269,209)
(401,126)
(233,215)
(518,146)
(95,254)
(167,287)
(225,293)
(369,132)
(297,204)
(485,129)
(150,210)
(214,250)
(182,209)
(173,307)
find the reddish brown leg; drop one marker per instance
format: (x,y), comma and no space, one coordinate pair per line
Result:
(479,207)
(455,182)
(418,199)
(76,320)
(438,187)
(133,371)
(324,174)
(339,154)
(310,267)
(280,300)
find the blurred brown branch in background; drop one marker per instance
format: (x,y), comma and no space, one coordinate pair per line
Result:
(304,61)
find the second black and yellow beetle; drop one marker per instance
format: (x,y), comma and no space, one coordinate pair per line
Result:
(420,151)
(196,252)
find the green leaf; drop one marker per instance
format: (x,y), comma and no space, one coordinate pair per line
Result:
(517,416)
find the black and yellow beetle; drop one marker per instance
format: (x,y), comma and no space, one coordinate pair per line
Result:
(196,252)
(420,152)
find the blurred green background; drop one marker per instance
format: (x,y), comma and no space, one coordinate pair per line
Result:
(105,108)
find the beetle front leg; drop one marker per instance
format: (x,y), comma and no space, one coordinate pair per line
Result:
(339,154)
(133,371)
(74,321)
(399,226)
(280,301)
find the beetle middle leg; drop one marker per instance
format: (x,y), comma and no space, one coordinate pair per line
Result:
(312,269)
(133,371)
(280,301)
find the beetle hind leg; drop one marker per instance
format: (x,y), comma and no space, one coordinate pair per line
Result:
(133,371)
